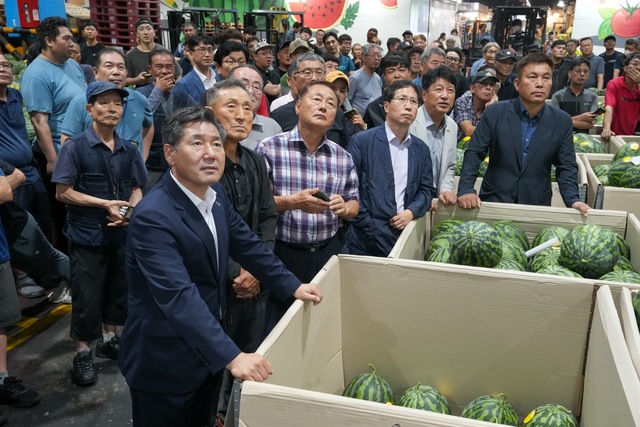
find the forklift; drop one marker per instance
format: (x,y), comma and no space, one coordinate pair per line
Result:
(207,21)
(271,24)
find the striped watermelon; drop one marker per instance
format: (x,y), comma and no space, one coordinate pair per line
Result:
(622,276)
(624,173)
(558,270)
(549,233)
(369,387)
(495,409)
(463,144)
(602,172)
(510,230)
(545,258)
(630,149)
(589,250)
(550,415)
(584,143)
(623,248)
(512,250)
(442,241)
(476,243)
(509,264)
(623,264)
(425,398)
(447,225)
(440,255)
(459,160)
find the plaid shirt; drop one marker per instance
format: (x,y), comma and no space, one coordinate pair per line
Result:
(293,168)
(464,110)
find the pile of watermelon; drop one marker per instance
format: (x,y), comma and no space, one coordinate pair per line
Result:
(623,171)
(585,143)
(490,408)
(587,251)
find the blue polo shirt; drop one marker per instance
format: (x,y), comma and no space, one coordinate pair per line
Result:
(4,246)
(136,115)
(345,64)
(15,147)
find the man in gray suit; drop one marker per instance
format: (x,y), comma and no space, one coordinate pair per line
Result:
(438,130)
(524,138)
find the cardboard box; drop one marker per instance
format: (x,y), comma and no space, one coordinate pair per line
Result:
(608,197)
(556,199)
(537,338)
(630,326)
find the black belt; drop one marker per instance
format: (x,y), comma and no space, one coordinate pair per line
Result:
(311,247)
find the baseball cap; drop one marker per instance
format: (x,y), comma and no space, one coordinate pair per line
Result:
(98,87)
(335,75)
(285,45)
(506,54)
(142,21)
(262,45)
(404,45)
(413,50)
(297,44)
(610,37)
(484,75)
(487,38)
(531,48)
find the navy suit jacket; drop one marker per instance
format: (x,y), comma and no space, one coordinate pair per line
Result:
(371,233)
(192,84)
(173,338)
(508,179)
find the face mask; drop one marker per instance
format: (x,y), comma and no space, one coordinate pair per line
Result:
(627,52)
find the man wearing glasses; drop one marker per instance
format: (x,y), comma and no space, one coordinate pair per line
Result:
(390,154)
(263,58)
(455,63)
(201,78)
(580,104)
(365,85)
(229,56)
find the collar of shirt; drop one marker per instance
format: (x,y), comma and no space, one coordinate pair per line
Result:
(204,79)
(393,139)
(295,136)
(431,124)
(209,197)
(524,114)
(94,139)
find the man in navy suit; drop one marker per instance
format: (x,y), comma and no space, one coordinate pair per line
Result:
(395,173)
(202,77)
(524,137)
(173,347)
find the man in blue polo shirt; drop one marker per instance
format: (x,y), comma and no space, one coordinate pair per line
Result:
(98,174)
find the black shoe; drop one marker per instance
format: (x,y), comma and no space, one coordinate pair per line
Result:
(83,372)
(109,349)
(3,419)
(13,393)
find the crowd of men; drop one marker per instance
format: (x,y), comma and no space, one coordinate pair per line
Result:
(182,200)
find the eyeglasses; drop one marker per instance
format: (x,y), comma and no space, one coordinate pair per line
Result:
(307,74)
(5,66)
(233,62)
(403,101)
(452,59)
(255,88)
(374,55)
(202,50)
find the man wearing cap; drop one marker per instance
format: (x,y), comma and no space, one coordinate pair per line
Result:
(365,84)
(610,55)
(263,58)
(202,77)
(505,63)
(137,59)
(561,66)
(489,52)
(98,175)
(532,48)
(580,104)
(296,48)
(340,83)
(470,107)
(393,67)
(524,137)
(596,74)
(407,36)
(415,56)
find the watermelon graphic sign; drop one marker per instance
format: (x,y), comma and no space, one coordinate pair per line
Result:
(325,14)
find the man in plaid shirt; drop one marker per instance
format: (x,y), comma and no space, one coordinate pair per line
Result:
(315,186)
(470,106)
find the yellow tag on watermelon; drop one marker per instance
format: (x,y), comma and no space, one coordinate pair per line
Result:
(466,138)
(626,159)
(575,138)
(388,403)
(584,143)
(486,159)
(634,146)
(529,417)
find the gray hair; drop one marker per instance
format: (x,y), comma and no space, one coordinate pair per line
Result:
(212,94)
(308,56)
(173,129)
(367,47)
(430,52)
(489,45)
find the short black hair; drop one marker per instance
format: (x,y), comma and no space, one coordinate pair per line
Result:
(328,35)
(173,128)
(579,60)
(440,72)
(344,37)
(632,42)
(532,58)
(558,43)
(390,91)
(306,30)
(391,41)
(158,52)
(585,39)
(193,42)
(229,34)
(330,58)
(407,33)
(631,57)
(227,48)
(106,51)
(50,28)
(393,60)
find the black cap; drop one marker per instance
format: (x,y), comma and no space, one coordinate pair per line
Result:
(532,48)
(285,45)
(610,37)
(404,45)
(482,76)
(99,86)
(142,21)
(413,50)
(506,54)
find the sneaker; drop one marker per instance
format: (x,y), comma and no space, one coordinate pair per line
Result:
(13,393)
(83,373)
(27,287)
(109,349)
(61,295)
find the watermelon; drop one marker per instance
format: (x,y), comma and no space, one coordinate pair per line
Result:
(550,415)
(623,248)
(630,149)
(509,264)
(425,398)
(483,166)
(623,264)
(549,233)
(463,144)
(476,243)
(447,225)
(602,170)
(440,255)
(495,409)
(622,276)
(558,270)
(584,143)
(440,248)
(512,250)
(624,173)
(589,250)
(369,387)
(545,258)
(510,230)
(319,14)
(459,160)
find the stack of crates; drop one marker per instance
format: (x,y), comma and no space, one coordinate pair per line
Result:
(116,20)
